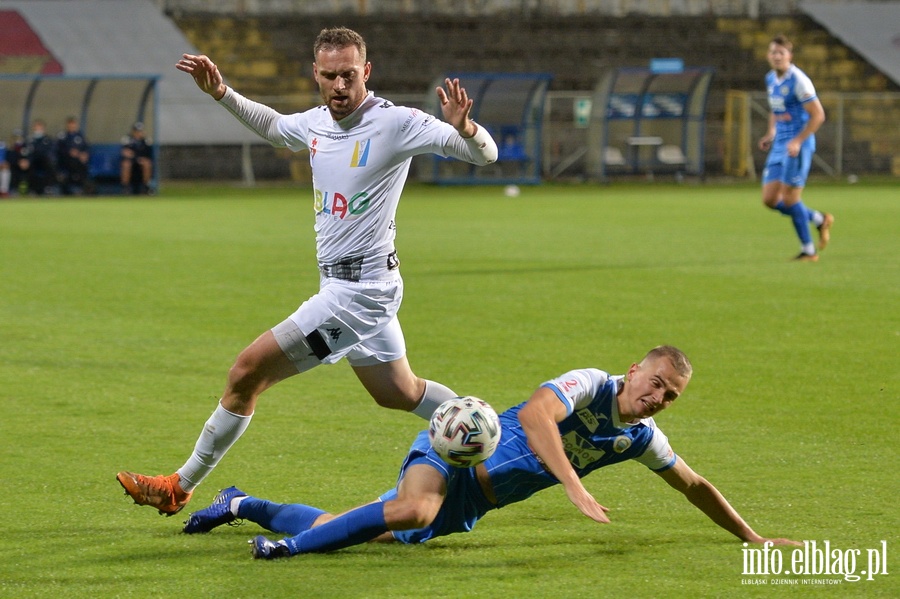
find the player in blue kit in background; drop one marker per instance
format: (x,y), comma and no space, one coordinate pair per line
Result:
(572,425)
(796,114)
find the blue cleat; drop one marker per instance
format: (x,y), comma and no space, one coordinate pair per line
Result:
(263,548)
(217,514)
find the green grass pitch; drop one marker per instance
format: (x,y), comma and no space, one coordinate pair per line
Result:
(119,319)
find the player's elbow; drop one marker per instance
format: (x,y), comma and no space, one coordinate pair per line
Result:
(489,156)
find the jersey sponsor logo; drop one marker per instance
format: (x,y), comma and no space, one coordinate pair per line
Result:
(339,206)
(588,419)
(412,114)
(579,451)
(312,148)
(360,153)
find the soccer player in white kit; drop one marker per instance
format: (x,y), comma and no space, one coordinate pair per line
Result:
(360,150)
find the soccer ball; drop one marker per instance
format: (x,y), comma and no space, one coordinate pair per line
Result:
(464,431)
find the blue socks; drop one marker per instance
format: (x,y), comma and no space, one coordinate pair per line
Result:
(780,207)
(290,518)
(800,217)
(355,527)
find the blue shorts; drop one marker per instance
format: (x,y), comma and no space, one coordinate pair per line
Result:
(464,504)
(789,170)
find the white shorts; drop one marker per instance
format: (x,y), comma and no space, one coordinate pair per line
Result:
(353,319)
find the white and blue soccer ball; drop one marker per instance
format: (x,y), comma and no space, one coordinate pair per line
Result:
(464,431)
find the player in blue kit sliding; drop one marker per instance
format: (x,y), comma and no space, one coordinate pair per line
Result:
(796,114)
(572,425)
(360,149)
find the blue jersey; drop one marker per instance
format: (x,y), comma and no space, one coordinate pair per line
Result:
(592,435)
(787,96)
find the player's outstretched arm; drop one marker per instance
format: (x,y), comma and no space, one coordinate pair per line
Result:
(456,106)
(539,418)
(205,73)
(711,502)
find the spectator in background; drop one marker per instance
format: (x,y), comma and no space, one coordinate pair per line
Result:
(72,154)
(37,159)
(137,161)
(5,174)
(14,150)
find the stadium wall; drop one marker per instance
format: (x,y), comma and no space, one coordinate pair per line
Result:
(458,8)
(271,58)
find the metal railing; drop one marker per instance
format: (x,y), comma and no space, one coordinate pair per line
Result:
(860,133)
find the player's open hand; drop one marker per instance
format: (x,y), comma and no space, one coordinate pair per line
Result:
(205,73)
(456,105)
(588,506)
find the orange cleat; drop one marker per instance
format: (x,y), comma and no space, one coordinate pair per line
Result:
(161,492)
(825,230)
(804,257)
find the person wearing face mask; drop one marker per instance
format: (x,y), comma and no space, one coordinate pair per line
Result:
(37,159)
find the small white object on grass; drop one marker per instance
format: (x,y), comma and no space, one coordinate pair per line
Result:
(512,191)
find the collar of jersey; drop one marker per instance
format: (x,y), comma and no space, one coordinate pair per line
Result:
(353,118)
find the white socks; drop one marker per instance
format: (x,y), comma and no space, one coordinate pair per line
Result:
(435,394)
(224,428)
(219,433)
(816,217)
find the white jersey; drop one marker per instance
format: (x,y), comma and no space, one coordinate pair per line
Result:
(359,167)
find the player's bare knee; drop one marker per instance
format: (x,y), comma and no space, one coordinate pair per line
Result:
(322,519)
(406,514)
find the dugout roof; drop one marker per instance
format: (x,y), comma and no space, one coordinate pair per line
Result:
(128,38)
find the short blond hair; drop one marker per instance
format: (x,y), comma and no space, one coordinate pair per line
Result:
(676,357)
